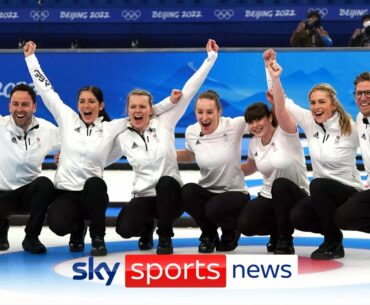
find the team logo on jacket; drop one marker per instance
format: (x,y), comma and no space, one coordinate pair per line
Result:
(197,142)
(134,145)
(363,136)
(337,139)
(256,154)
(14,140)
(316,135)
(78,129)
(226,138)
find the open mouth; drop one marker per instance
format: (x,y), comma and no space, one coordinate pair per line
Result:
(20,116)
(206,125)
(318,113)
(87,114)
(138,118)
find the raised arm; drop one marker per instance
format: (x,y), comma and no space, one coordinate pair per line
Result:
(191,87)
(43,86)
(277,93)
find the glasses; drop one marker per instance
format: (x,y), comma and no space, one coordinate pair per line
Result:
(358,94)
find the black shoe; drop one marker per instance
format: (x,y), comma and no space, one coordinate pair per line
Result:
(228,241)
(98,246)
(271,244)
(77,239)
(284,246)
(33,245)
(329,250)
(164,245)
(208,243)
(145,241)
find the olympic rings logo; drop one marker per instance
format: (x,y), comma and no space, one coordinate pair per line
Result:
(131,15)
(40,15)
(322,11)
(224,14)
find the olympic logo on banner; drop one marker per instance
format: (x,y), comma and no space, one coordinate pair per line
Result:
(322,11)
(224,14)
(40,15)
(131,15)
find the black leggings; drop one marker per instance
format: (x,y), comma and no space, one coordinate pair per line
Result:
(316,213)
(257,217)
(134,218)
(213,210)
(285,195)
(354,214)
(33,198)
(70,208)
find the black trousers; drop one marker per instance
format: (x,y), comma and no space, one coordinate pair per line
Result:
(257,217)
(138,215)
(71,208)
(354,214)
(316,213)
(285,195)
(213,210)
(33,198)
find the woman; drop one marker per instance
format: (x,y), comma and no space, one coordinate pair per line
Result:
(214,143)
(149,147)
(87,140)
(333,142)
(273,140)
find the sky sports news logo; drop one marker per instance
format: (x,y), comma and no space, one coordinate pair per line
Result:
(218,271)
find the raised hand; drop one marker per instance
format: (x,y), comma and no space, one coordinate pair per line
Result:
(29,48)
(269,56)
(176,95)
(212,46)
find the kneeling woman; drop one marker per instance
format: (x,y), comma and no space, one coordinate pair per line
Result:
(276,152)
(149,147)
(215,143)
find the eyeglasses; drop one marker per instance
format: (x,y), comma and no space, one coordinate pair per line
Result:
(358,94)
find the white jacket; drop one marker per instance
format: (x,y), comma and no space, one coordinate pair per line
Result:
(85,149)
(333,155)
(363,129)
(218,154)
(153,154)
(22,153)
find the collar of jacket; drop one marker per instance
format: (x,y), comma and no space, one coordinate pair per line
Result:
(13,128)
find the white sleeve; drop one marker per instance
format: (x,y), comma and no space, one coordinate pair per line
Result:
(172,116)
(268,79)
(116,152)
(300,116)
(241,125)
(163,106)
(187,144)
(43,86)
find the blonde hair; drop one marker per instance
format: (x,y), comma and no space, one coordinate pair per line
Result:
(139,92)
(345,120)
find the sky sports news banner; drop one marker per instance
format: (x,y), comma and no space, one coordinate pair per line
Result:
(143,15)
(187,270)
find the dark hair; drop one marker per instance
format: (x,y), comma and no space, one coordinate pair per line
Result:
(365,76)
(365,17)
(25,88)
(258,111)
(96,91)
(212,95)
(314,14)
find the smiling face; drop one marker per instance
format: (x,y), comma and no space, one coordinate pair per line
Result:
(22,108)
(362,97)
(208,116)
(139,110)
(89,106)
(322,106)
(262,128)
